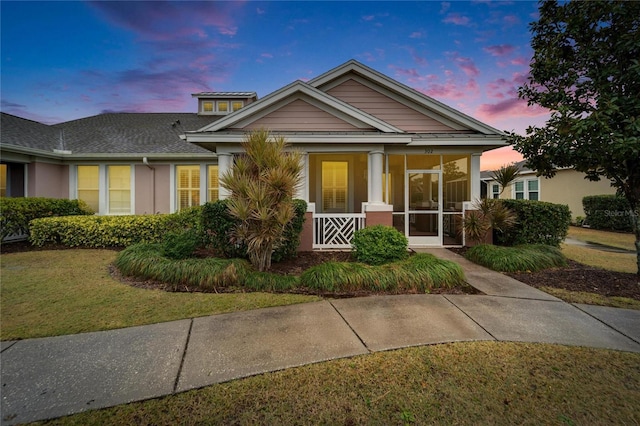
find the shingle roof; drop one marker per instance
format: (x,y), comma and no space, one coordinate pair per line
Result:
(488,174)
(116,133)
(113,133)
(25,133)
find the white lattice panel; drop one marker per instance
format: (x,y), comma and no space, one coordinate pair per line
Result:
(336,230)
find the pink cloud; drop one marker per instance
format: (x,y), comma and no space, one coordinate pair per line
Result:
(456,19)
(368,17)
(416,34)
(468,66)
(509,107)
(520,60)
(500,49)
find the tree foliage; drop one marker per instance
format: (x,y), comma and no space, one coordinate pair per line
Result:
(262,183)
(586,71)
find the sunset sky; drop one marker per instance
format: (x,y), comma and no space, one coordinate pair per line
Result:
(67,60)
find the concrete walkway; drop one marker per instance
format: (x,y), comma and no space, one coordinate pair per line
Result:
(56,376)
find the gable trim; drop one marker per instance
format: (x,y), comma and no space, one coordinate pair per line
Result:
(330,104)
(405,91)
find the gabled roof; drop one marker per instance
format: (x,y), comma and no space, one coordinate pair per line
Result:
(117,133)
(300,90)
(106,135)
(20,132)
(325,80)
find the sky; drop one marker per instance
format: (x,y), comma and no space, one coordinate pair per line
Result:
(66,60)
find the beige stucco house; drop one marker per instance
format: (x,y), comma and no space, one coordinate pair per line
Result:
(375,151)
(567,187)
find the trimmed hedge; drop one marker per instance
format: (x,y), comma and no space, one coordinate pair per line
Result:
(147,261)
(516,259)
(379,244)
(538,222)
(218,226)
(419,273)
(111,231)
(608,212)
(16,213)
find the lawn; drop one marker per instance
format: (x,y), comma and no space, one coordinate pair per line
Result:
(619,262)
(56,292)
(460,383)
(612,239)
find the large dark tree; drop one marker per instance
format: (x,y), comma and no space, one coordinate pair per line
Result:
(586,71)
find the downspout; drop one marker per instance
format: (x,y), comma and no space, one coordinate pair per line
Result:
(145,161)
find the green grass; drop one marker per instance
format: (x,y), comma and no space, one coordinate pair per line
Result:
(50,293)
(619,262)
(419,273)
(147,261)
(515,259)
(592,298)
(611,239)
(461,383)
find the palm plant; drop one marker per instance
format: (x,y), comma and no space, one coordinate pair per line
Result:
(505,175)
(261,185)
(488,214)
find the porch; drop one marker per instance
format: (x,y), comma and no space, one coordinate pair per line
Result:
(424,196)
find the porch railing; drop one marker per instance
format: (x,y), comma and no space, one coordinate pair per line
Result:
(335,230)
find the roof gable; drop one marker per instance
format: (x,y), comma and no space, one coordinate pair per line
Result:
(296,91)
(409,97)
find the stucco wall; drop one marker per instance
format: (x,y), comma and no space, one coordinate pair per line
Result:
(48,180)
(570,187)
(152,189)
(566,187)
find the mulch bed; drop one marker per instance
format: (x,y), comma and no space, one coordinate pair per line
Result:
(574,277)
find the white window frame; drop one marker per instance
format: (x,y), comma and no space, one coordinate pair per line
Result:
(495,195)
(525,188)
(103,187)
(204,183)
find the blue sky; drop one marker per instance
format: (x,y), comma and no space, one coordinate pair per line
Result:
(66,60)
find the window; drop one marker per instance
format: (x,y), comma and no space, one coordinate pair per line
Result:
(89,186)
(207,106)
(119,189)
(188,186)
(532,188)
(236,105)
(334,186)
(495,191)
(526,190)
(223,106)
(214,192)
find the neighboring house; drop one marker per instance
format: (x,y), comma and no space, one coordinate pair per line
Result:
(375,151)
(566,187)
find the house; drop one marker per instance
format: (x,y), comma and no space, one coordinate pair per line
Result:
(568,186)
(375,152)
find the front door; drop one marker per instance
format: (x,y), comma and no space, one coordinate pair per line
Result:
(423,207)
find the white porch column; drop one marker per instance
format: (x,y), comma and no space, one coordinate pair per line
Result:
(475,176)
(302,193)
(225,164)
(376,166)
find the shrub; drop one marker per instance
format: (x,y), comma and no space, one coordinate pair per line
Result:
(109,231)
(419,273)
(147,261)
(513,259)
(608,212)
(16,213)
(218,225)
(180,245)
(539,222)
(379,244)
